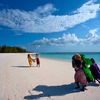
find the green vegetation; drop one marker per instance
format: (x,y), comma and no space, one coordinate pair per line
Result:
(9,49)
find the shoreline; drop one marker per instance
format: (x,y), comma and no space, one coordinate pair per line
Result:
(56,59)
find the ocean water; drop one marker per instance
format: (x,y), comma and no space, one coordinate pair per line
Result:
(68,56)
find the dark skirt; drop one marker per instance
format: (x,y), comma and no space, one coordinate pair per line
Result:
(95,71)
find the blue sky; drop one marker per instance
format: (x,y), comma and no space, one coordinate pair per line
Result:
(51,25)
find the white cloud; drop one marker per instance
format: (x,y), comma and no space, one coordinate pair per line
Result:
(66,38)
(91,38)
(92,33)
(42,19)
(45,10)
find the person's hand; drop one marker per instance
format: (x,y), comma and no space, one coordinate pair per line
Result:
(33,60)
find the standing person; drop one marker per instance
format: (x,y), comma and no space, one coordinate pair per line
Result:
(85,63)
(37,60)
(30,60)
(95,70)
(79,76)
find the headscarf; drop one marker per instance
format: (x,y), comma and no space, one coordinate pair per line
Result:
(78,57)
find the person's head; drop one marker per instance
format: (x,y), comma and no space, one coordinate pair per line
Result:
(93,61)
(82,56)
(28,55)
(37,55)
(78,57)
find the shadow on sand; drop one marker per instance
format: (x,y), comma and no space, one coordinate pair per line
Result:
(48,91)
(93,84)
(22,66)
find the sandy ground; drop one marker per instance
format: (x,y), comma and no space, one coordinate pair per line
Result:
(53,80)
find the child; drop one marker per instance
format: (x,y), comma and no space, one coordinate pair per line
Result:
(37,60)
(80,76)
(29,59)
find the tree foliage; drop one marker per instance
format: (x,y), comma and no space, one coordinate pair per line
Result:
(9,49)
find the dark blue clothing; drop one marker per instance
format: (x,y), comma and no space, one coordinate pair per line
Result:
(95,71)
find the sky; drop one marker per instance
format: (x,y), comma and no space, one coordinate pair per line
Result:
(51,25)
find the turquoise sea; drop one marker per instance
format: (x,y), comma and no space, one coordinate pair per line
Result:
(68,56)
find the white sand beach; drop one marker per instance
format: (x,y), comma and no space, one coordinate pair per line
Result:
(53,80)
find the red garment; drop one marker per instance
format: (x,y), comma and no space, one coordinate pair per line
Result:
(37,60)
